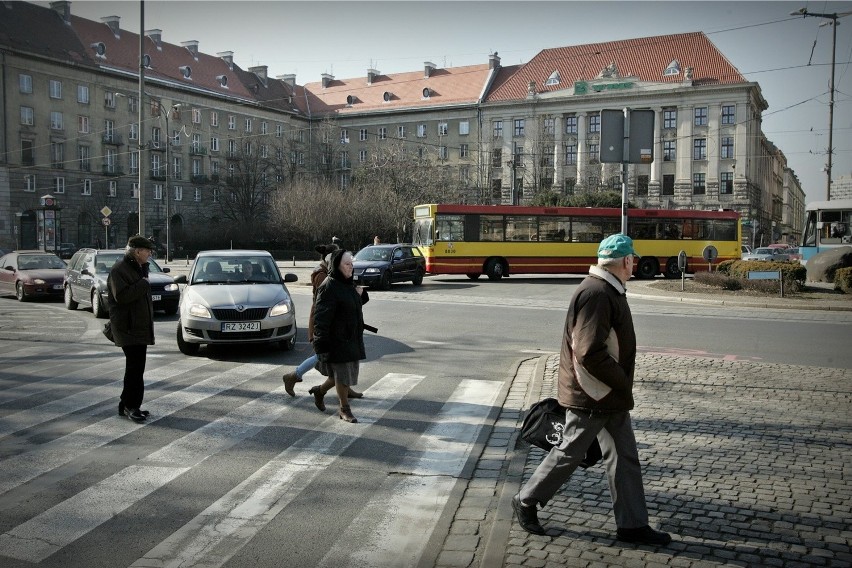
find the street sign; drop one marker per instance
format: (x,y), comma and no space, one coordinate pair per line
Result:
(105,212)
(710,253)
(681,261)
(105,221)
(640,140)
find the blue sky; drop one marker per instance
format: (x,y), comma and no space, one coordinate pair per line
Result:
(790,57)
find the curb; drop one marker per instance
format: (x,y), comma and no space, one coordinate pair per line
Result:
(741,303)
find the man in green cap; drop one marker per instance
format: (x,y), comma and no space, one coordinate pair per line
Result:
(595,385)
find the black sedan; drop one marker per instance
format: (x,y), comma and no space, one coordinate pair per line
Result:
(382,265)
(31,273)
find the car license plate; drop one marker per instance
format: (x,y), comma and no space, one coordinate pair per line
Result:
(156,298)
(241,326)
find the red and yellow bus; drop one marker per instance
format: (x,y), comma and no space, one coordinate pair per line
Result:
(499,240)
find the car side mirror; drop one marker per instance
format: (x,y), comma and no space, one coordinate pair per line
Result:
(86,272)
(181,279)
(166,269)
(10,268)
(290,277)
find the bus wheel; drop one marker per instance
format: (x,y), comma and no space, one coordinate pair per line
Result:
(648,268)
(672,270)
(473,275)
(495,269)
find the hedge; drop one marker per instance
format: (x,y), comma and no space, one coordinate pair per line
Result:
(793,273)
(843,280)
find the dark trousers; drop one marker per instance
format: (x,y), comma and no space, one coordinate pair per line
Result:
(134,368)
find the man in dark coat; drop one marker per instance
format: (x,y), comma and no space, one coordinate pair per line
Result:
(595,384)
(131,315)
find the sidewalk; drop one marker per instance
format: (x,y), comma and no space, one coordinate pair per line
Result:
(741,464)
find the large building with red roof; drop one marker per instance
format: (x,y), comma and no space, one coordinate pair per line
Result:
(71,128)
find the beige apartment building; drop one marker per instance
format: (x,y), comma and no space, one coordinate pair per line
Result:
(497,134)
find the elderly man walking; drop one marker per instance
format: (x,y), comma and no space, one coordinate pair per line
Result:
(595,384)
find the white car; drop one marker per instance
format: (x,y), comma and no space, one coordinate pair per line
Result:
(235,297)
(765,253)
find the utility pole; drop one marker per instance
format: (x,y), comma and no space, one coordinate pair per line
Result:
(141,190)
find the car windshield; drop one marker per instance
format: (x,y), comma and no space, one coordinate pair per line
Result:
(39,261)
(373,254)
(105,262)
(763,251)
(233,270)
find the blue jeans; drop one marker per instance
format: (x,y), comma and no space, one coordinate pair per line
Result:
(306,365)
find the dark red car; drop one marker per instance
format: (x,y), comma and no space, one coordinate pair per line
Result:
(32,273)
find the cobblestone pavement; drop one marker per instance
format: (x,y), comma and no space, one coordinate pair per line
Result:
(746,464)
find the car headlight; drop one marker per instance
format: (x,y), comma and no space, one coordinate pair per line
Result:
(281,308)
(172,287)
(199,311)
(38,281)
(372,271)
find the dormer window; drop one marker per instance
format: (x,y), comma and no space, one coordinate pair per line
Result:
(100,48)
(672,69)
(223,80)
(350,100)
(554,79)
(427,93)
(387,96)
(186,71)
(146,61)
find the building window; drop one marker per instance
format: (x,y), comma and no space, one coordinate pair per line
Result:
(109,131)
(594,153)
(83,155)
(112,161)
(383,133)
(668,184)
(178,193)
(56,121)
(196,116)
(442,129)
(362,135)
(197,196)
(700,116)
(214,118)
(155,136)
(133,134)
(232,122)
(156,166)
(27,116)
(59,185)
(593,182)
(595,122)
(344,160)
(727,147)
(87,186)
(264,151)
(726,183)
(615,183)
(548,126)
(669,118)
(728,114)
(497,127)
(443,154)
(421,131)
(463,151)
(214,167)
(669,150)
(344,136)
(699,149)
(570,185)
(132,105)
(264,127)
(400,131)
(55,89)
(83,124)
(27,153)
(518,154)
(699,186)
(570,154)
(464,128)
(83,94)
(570,125)
(362,156)
(642,185)
(248,125)
(109,99)
(113,188)
(25,83)
(247,148)
(134,162)
(29,182)
(196,167)
(158,191)
(57,154)
(214,143)
(547,157)
(497,158)
(520,125)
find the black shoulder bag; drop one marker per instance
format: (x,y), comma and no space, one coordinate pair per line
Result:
(544,425)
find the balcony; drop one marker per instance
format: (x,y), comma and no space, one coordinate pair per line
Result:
(158,175)
(114,139)
(214,178)
(197,151)
(198,178)
(112,170)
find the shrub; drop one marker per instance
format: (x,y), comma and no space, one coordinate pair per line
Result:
(793,273)
(718,280)
(725,266)
(843,280)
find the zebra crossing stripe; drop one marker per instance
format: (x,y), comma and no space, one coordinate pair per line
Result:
(217,533)
(23,467)
(403,523)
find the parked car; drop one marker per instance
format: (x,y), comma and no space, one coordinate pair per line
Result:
(744,250)
(234,297)
(31,273)
(766,253)
(794,254)
(86,282)
(66,250)
(781,246)
(382,265)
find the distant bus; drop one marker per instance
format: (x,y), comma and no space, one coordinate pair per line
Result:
(828,224)
(499,240)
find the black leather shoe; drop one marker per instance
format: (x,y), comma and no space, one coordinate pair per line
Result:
(144,413)
(644,535)
(135,415)
(527,517)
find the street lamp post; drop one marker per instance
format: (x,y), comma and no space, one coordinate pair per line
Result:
(168,166)
(833,17)
(513,164)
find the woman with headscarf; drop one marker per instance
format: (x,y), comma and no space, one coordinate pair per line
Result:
(339,332)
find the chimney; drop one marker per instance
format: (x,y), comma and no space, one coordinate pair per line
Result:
(428,67)
(371,75)
(227,57)
(531,89)
(326,80)
(192,47)
(156,36)
(287,79)
(112,22)
(493,61)
(260,71)
(63,9)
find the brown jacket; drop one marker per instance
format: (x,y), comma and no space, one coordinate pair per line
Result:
(131,311)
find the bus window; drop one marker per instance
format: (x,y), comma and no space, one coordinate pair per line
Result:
(521,228)
(809,235)
(449,228)
(491,228)
(836,227)
(422,234)
(554,228)
(643,229)
(587,230)
(725,230)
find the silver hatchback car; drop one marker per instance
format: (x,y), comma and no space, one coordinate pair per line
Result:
(234,297)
